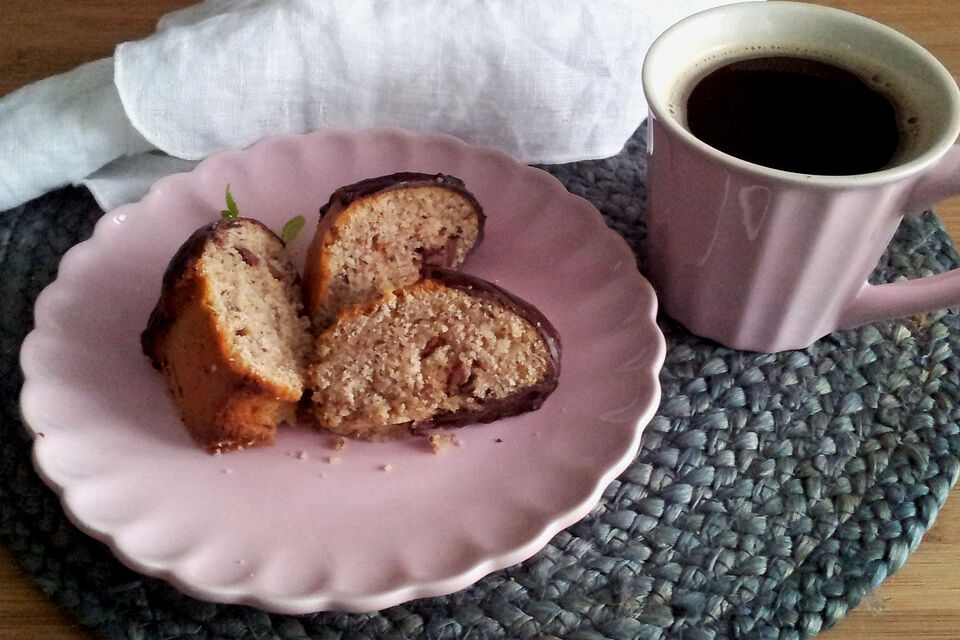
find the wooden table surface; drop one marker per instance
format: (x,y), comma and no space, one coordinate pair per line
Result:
(38,39)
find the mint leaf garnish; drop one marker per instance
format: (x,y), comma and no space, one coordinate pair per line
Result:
(292,228)
(231,211)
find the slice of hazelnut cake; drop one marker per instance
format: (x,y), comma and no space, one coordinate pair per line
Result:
(230,334)
(376,235)
(448,350)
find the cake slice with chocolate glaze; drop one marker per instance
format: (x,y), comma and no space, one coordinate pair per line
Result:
(376,235)
(448,350)
(230,335)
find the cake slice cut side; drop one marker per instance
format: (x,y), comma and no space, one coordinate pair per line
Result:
(448,350)
(230,334)
(377,234)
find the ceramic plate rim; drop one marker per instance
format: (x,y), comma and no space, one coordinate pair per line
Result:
(351,602)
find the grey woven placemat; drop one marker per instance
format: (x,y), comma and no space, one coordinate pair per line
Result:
(770,494)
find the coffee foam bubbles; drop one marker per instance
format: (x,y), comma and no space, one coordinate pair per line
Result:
(915,133)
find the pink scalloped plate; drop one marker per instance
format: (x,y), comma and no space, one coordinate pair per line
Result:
(301,527)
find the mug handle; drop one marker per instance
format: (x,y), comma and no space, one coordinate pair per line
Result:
(899,299)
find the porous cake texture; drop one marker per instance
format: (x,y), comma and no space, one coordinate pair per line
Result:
(448,350)
(377,234)
(230,334)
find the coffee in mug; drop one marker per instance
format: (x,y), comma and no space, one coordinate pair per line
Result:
(797,114)
(786,142)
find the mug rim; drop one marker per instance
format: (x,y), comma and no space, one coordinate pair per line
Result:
(945,140)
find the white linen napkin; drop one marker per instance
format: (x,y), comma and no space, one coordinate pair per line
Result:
(541,80)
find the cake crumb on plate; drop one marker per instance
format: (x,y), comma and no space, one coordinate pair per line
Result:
(441,441)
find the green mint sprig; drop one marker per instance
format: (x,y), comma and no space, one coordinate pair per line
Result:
(292,228)
(231,211)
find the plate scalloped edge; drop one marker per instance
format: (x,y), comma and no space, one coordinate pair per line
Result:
(243,593)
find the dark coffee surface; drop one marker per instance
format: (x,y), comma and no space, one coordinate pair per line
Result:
(794,114)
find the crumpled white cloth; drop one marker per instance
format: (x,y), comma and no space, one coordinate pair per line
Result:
(541,80)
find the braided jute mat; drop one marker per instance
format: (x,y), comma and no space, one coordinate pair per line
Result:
(771,492)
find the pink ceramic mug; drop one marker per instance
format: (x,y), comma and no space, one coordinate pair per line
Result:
(765,259)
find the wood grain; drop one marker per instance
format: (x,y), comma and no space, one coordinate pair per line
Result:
(38,39)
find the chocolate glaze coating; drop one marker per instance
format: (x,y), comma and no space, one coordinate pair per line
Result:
(528,399)
(346,195)
(183,262)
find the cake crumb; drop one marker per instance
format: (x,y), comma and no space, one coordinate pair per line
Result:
(499,440)
(301,455)
(386,467)
(332,459)
(440,441)
(339,444)
(227,472)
